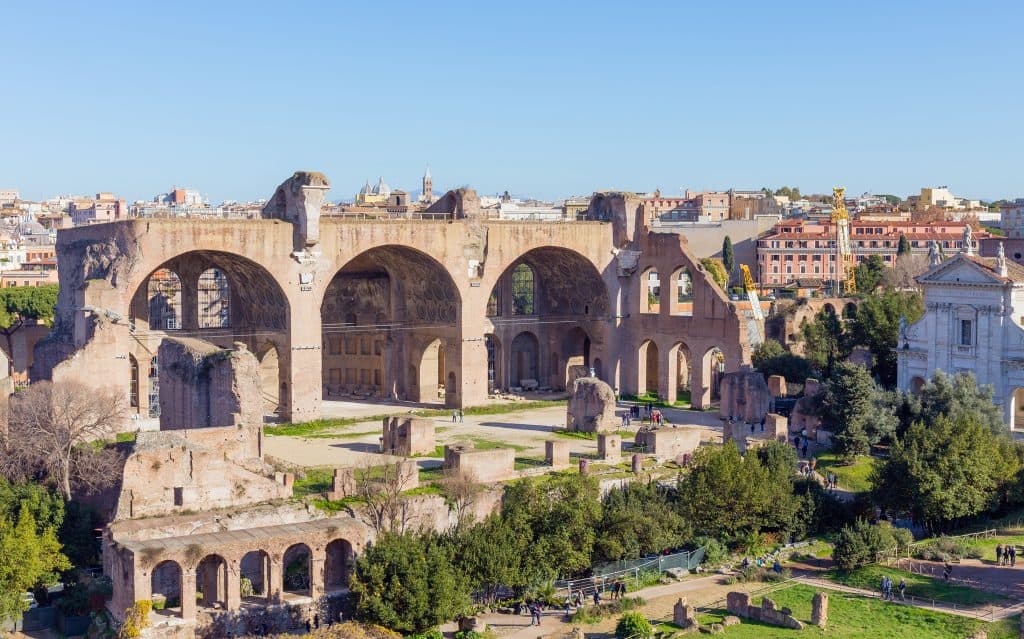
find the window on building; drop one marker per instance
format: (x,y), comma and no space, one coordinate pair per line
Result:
(214,299)
(523,290)
(492,305)
(966,332)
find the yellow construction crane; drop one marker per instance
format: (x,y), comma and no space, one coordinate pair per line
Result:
(846,261)
(748,283)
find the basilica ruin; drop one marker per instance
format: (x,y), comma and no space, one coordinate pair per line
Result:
(215,326)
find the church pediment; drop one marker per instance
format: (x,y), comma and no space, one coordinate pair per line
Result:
(960,271)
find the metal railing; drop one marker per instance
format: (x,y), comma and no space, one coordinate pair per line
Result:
(606,574)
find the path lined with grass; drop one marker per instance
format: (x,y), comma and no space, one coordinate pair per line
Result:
(854,477)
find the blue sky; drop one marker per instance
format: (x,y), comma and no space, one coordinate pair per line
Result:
(540,98)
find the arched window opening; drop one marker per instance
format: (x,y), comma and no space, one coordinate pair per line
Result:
(133,385)
(164,295)
(214,299)
(523,290)
(493,310)
(651,292)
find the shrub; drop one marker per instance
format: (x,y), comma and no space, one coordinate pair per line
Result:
(860,544)
(136,618)
(945,549)
(433,633)
(633,625)
(246,587)
(715,552)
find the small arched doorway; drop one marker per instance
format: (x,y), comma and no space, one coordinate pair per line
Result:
(337,564)
(648,384)
(165,586)
(254,574)
(494,373)
(298,570)
(212,581)
(524,363)
(430,382)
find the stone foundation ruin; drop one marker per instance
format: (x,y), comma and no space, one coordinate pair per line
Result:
(591,408)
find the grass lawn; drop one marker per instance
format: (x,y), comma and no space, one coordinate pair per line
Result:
(988,545)
(870,577)
(852,477)
(318,480)
(321,427)
(850,616)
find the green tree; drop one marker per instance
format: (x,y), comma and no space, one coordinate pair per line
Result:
(408,583)
(895,200)
(943,471)
(562,514)
(637,520)
(904,246)
(29,556)
(953,396)
(856,410)
(728,255)
(22,304)
(771,358)
(716,270)
(869,274)
(824,341)
(877,325)
(729,496)
(859,544)
(493,555)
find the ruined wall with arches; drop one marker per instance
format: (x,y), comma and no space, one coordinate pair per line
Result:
(436,311)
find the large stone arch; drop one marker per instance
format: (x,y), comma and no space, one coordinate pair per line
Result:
(258,310)
(377,312)
(568,314)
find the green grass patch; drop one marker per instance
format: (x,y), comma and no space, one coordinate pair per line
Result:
(482,443)
(433,473)
(523,463)
(317,427)
(853,477)
(437,452)
(338,506)
(316,481)
(987,546)
(922,586)
(125,437)
(573,434)
(854,617)
(429,489)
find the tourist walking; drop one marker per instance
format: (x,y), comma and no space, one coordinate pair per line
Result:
(568,605)
(1013,556)
(462,414)
(455,415)
(597,597)
(535,613)
(999,554)
(903,589)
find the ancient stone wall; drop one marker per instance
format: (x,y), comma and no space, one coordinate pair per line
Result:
(745,396)
(609,447)
(738,603)
(556,453)
(203,385)
(776,427)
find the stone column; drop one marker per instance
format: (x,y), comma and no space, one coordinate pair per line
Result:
(316,573)
(700,386)
(188,595)
(819,609)
(469,362)
(233,599)
(303,363)
(275,583)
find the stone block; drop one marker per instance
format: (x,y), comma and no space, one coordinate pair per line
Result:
(481,465)
(777,385)
(668,443)
(738,603)
(609,447)
(819,609)
(683,615)
(744,396)
(735,432)
(407,436)
(591,408)
(638,464)
(556,452)
(730,620)
(776,427)
(343,484)
(584,466)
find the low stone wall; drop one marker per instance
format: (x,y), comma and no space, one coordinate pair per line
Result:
(776,427)
(669,442)
(609,447)
(484,466)
(556,453)
(738,603)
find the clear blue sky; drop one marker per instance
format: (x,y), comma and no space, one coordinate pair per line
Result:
(541,98)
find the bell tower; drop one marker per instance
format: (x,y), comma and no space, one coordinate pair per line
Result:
(427,196)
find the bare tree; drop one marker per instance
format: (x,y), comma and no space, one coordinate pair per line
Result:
(55,432)
(903,274)
(461,491)
(380,488)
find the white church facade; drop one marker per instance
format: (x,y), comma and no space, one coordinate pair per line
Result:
(973,321)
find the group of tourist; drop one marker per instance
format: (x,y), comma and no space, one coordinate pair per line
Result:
(574,600)
(1006,555)
(831,481)
(458,415)
(801,443)
(886,589)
